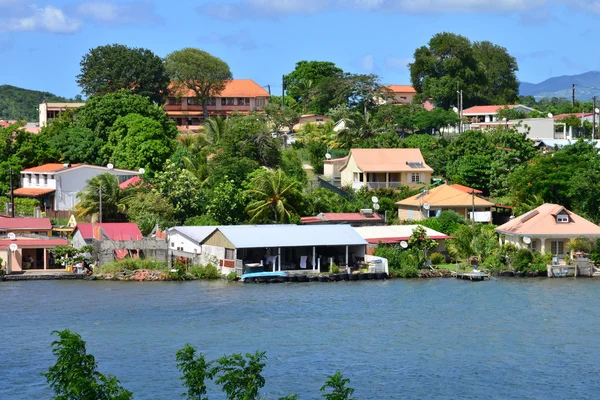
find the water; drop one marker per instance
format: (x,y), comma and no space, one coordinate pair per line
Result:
(421,339)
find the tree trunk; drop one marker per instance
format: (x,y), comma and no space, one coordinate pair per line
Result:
(205,110)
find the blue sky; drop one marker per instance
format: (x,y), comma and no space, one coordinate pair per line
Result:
(42,41)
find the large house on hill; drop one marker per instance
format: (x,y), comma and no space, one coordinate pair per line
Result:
(241,95)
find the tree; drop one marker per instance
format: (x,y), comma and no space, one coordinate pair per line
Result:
(422,243)
(147,209)
(136,141)
(198,71)
(337,384)
(113,199)
(499,69)
(77,144)
(110,68)
(195,371)
(281,118)
(274,197)
(226,203)
(291,164)
(315,85)
(241,377)
(75,374)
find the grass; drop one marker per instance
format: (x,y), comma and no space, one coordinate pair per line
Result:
(462,267)
(131,264)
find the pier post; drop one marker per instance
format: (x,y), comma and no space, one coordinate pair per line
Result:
(346,256)
(314,262)
(279,257)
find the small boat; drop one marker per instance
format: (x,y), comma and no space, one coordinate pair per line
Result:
(263,275)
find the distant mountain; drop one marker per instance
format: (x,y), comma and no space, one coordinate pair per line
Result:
(22,104)
(560,86)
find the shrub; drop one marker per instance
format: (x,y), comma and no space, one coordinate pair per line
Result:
(23,206)
(211,272)
(197,271)
(522,260)
(232,276)
(437,258)
(334,269)
(132,264)
(178,273)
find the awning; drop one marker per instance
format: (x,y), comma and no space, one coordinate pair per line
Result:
(32,192)
(183,113)
(33,243)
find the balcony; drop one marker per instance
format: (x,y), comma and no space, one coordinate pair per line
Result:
(383,185)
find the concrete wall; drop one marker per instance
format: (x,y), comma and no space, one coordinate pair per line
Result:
(79,241)
(149,248)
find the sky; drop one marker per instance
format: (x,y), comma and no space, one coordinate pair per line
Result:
(42,41)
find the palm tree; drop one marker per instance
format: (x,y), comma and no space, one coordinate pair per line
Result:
(113,199)
(215,128)
(274,195)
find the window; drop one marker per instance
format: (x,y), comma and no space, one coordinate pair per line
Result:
(174,101)
(243,101)
(260,102)
(356,177)
(194,101)
(211,101)
(562,218)
(172,244)
(557,247)
(223,101)
(45,179)
(229,254)
(230,101)
(533,245)
(415,177)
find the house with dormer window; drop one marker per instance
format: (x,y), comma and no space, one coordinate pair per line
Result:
(380,169)
(547,229)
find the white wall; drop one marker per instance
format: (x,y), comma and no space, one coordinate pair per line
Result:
(79,241)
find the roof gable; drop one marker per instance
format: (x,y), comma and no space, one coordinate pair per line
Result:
(113,230)
(388,160)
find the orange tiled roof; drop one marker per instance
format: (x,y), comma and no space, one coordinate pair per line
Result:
(479,110)
(235,88)
(388,160)
(52,167)
(402,89)
(542,222)
(445,196)
(466,189)
(32,192)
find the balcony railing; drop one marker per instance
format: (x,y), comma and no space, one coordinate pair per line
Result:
(383,185)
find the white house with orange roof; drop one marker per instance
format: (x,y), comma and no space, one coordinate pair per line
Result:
(380,168)
(479,114)
(57,185)
(547,229)
(241,95)
(401,94)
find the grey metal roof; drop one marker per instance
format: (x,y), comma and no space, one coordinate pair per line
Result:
(253,236)
(194,233)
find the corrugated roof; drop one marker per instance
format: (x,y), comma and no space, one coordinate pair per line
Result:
(544,223)
(445,196)
(272,236)
(235,88)
(388,160)
(25,224)
(114,230)
(32,192)
(194,233)
(402,88)
(333,217)
(394,233)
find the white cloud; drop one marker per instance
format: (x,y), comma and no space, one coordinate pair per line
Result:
(109,12)
(47,19)
(397,62)
(242,40)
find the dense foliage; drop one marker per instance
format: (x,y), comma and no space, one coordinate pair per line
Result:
(22,104)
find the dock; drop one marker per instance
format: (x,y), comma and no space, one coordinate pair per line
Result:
(41,275)
(473,276)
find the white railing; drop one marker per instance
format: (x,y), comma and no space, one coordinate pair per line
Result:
(481,216)
(383,185)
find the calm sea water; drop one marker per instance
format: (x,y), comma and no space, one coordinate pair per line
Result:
(421,339)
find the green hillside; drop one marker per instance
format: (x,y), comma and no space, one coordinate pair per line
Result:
(22,104)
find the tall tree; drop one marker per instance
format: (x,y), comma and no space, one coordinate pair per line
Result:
(274,197)
(110,68)
(499,69)
(198,71)
(113,199)
(315,85)
(448,60)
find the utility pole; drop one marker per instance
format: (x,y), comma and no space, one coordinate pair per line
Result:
(573,95)
(269,87)
(282,92)
(100,195)
(473,208)
(12,195)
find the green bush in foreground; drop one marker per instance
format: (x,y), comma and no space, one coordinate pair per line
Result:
(75,375)
(132,264)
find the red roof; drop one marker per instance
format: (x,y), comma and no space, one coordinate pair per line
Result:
(10,224)
(392,240)
(402,88)
(33,243)
(131,182)
(486,109)
(52,167)
(561,116)
(114,230)
(6,124)
(466,189)
(32,192)
(235,88)
(338,217)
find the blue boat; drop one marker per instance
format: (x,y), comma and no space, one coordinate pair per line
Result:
(262,275)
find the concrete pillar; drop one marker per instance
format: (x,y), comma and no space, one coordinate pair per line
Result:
(279,258)
(314,262)
(387,180)
(45,259)
(346,255)
(543,245)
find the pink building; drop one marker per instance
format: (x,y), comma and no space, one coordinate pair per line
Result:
(29,253)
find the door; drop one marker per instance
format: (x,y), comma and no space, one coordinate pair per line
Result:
(557,248)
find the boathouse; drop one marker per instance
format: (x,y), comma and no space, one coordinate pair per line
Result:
(271,247)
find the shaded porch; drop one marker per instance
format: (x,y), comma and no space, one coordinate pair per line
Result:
(30,254)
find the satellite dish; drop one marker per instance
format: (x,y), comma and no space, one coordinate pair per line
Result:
(376,206)
(455,109)
(597,110)
(403,244)
(109,166)
(527,240)
(426,206)
(13,247)
(328,156)
(12,236)
(550,115)
(142,171)
(374,199)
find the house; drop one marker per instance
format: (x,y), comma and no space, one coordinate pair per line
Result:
(26,226)
(30,253)
(364,218)
(84,234)
(57,185)
(272,247)
(548,229)
(478,114)
(380,168)
(401,94)
(396,234)
(241,95)
(534,128)
(431,202)
(49,111)
(309,119)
